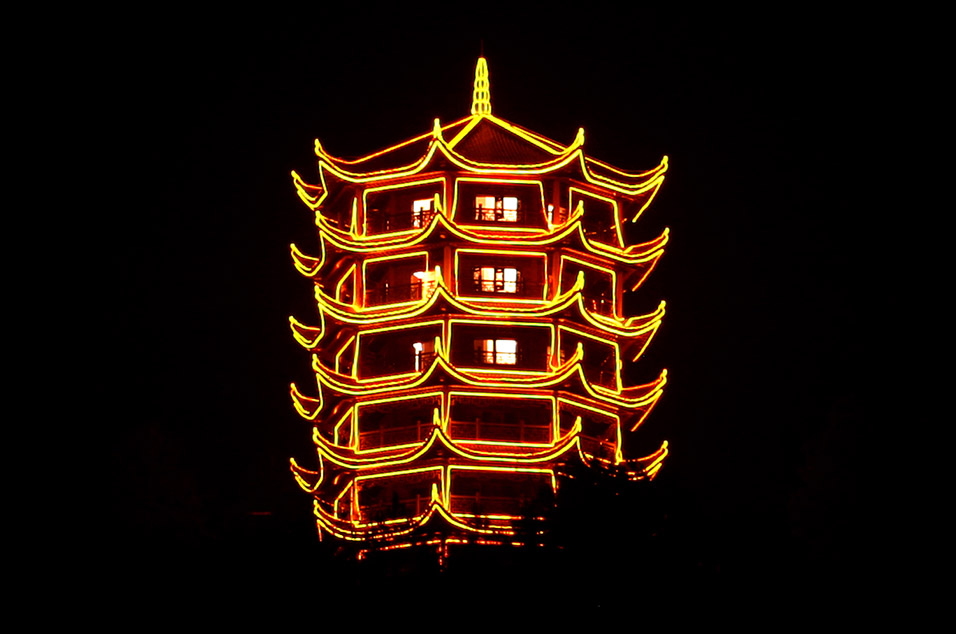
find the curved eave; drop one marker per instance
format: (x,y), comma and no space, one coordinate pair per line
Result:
(305,264)
(350,164)
(442,301)
(307,336)
(635,277)
(629,184)
(438,444)
(569,376)
(308,481)
(594,171)
(437,510)
(394,529)
(308,407)
(437,145)
(634,347)
(642,468)
(635,416)
(438,150)
(572,231)
(440,371)
(646,198)
(311,195)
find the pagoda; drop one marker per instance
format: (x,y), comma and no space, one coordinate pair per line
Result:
(470,336)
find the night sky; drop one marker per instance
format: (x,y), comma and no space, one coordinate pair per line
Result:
(206,118)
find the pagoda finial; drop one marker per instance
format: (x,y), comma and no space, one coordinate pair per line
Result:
(481,99)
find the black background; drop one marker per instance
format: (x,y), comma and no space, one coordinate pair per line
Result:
(203,118)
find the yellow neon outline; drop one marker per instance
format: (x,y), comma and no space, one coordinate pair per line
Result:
(615,209)
(498,395)
(499,369)
(630,327)
(563,385)
(646,467)
(615,307)
(439,438)
(613,345)
(356,509)
(311,195)
(342,350)
(497,226)
(502,297)
(437,145)
(635,254)
(481,97)
(380,450)
(392,186)
(307,407)
(646,181)
(300,474)
(348,490)
(386,258)
(348,277)
(347,418)
(307,336)
(358,347)
(307,265)
(572,369)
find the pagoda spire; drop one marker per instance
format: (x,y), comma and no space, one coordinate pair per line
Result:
(471,336)
(481,99)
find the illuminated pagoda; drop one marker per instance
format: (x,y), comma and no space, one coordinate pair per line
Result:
(470,336)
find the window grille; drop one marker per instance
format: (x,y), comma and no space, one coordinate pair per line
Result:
(492,279)
(496,208)
(497,351)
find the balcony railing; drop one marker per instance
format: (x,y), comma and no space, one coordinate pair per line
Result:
(599,304)
(500,432)
(601,374)
(396,293)
(497,505)
(519,288)
(487,214)
(396,509)
(603,449)
(379,222)
(424,360)
(489,357)
(394,436)
(384,365)
(518,359)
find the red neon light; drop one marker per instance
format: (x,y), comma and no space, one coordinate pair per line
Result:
(470,334)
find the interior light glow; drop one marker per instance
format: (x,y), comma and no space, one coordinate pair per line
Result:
(470,334)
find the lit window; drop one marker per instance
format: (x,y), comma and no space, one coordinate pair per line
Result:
(497,351)
(491,279)
(423,283)
(422,212)
(496,208)
(424,354)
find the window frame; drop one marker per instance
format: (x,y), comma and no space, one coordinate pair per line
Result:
(498,282)
(494,355)
(499,212)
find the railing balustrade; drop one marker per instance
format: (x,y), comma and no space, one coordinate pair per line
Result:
(600,304)
(519,288)
(395,293)
(380,222)
(394,436)
(501,432)
(495,214)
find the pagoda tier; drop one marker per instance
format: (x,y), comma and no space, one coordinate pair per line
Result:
(471,336)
